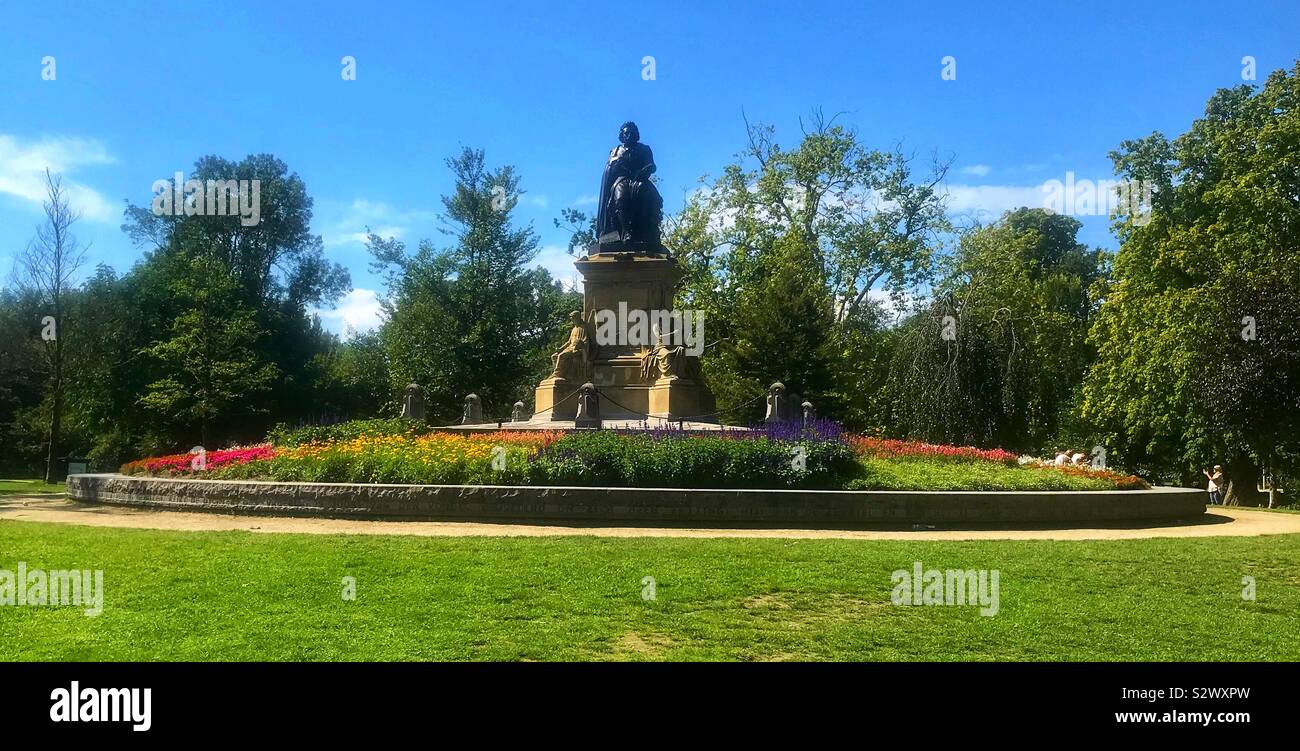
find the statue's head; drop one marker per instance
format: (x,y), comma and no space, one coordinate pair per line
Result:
(575,317)
(629,134)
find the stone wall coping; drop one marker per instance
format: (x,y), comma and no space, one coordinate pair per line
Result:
(607,488)
(610,504)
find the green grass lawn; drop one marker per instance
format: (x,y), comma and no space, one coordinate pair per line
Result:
(930,474)
(248,596)
(9,487)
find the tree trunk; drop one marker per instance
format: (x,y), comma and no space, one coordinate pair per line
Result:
(56,412)
(1240,474)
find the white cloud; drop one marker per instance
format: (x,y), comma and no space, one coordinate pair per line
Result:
(23,165)
(540,201)
(383,220)
(557,260)
(993,200)
(361,237)
(357,313)
(978,170)
(586,200)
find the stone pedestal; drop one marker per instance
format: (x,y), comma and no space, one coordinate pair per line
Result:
(628,281)
(556,399)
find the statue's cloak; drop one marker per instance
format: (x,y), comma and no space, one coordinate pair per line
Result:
(606,222)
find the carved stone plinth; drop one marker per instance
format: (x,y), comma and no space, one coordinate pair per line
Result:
(634,378)
(556,399)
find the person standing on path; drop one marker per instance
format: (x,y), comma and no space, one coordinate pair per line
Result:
(1215,485)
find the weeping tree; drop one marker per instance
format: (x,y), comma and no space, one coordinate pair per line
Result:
(1250,389)
(997,356)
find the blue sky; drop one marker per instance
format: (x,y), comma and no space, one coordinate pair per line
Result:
(143,90)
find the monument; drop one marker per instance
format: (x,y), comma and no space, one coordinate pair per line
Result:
(627,274)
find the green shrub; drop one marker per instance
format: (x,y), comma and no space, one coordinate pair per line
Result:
(608,459)
(284,436)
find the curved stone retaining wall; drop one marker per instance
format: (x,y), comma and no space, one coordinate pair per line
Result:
(663,505)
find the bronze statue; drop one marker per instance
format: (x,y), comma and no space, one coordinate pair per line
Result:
(630,205)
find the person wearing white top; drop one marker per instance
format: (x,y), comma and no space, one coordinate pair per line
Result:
(1215,485)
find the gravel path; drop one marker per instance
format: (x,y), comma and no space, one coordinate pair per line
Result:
(1219,521)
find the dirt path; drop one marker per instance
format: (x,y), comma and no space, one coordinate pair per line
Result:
(1221,521)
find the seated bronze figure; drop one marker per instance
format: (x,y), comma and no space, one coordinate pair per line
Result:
(630,205)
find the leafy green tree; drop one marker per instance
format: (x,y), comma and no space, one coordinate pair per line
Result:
(22,381)
(353,378)
(998,357)
(279,268)
(276,260)
(1179,382)
(472,317)
(867,229)
(210,363)
(784,331)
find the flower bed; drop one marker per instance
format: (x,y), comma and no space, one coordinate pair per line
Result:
(888,448)
(184,464)
(819,456)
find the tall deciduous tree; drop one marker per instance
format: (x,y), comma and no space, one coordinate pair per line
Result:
(210,360)
(471,317)
(1196,338)
(47,266)
(998,356)
(866,226)
(278,268)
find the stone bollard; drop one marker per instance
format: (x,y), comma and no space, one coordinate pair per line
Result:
(776,407)
(517,414)
(588,407)
(473,411)
(413,403)
(809,414)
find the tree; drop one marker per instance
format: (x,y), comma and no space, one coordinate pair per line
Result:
(353,378)
(48,266)
(276,259)
(784,331)
(22,382)
(998,356)
(865,226)
(1253,399)
(472,317)
(210,360)
(279,273)
(1180,381)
